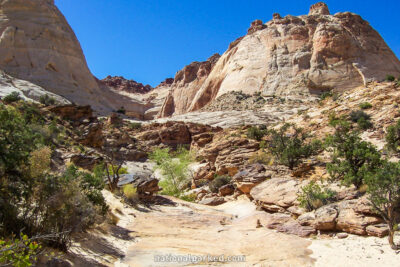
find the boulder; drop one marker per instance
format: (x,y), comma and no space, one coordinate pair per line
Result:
(250,176)
(379,230)
(352,222)
(226,190)
(277,194)
(212,201)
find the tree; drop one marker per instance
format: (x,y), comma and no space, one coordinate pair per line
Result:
(384,194)
(113,169)
(289,145)
(174,167)
(393,137)
(352,158)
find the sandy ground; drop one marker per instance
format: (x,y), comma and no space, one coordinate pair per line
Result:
(182,229)
(354,251)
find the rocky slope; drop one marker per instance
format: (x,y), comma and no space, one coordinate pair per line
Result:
(119,83)
(289,56)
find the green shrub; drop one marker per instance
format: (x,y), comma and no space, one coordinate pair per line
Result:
(256,132)
(12,97)
(135,125)
(384,194)
(312,196)
(356,115)
(389,78)
(362,119)
(19,252)
(326,95)
(219,181)
(174,168)
(365,105)
(121,110)
(130,192)
(352,158)
(47,100)
(393,137)
(34,200)
(289,145)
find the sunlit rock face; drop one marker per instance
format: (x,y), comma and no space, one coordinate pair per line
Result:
(291,56)
(38,45)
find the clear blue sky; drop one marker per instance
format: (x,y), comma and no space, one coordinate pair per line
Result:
(149,41)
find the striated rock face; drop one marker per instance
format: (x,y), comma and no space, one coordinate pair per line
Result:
(119,83)
(185,86)
(289,56)
(37,45)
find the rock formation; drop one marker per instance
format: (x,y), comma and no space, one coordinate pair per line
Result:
(185,86)
(37,45)
(119,83)
(290,56)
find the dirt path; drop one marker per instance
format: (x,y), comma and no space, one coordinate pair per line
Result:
(184,229)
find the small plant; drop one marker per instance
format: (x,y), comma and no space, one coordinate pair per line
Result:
(352,158)
(365,105)
(390,78)
(135,125)
(174,167)
(20,252)
(47,100)
(121,110)
(326,95)
(312,196)
(290,147)
(130,192)
(393,137)
(256,132)
(219,181)
(12,97)
(362,119)
(384,195)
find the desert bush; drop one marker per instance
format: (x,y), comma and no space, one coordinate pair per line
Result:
(384,194)
(39,161)
(219,181)
(326,95)
(19,252)
(289,145)
(33,199)
(356,115)
(174,167)
(47,100)
(256,132)
(121,110)
(312,196)
(352,158)
(135,125)
(130,192)
(362,119)
(12,97)
(365,105)
(390,78)
(393,137)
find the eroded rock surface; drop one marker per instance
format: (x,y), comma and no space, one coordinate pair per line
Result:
(289,56)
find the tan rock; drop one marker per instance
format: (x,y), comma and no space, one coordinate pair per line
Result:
(352,222)
(292,57)
(379,230)
(276,192)
(249,177)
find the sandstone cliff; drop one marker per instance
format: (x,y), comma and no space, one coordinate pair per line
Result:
(292,57)
(37,45)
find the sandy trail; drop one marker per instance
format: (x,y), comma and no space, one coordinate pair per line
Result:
(228,230)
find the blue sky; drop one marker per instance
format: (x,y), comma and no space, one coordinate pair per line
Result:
(149,41)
